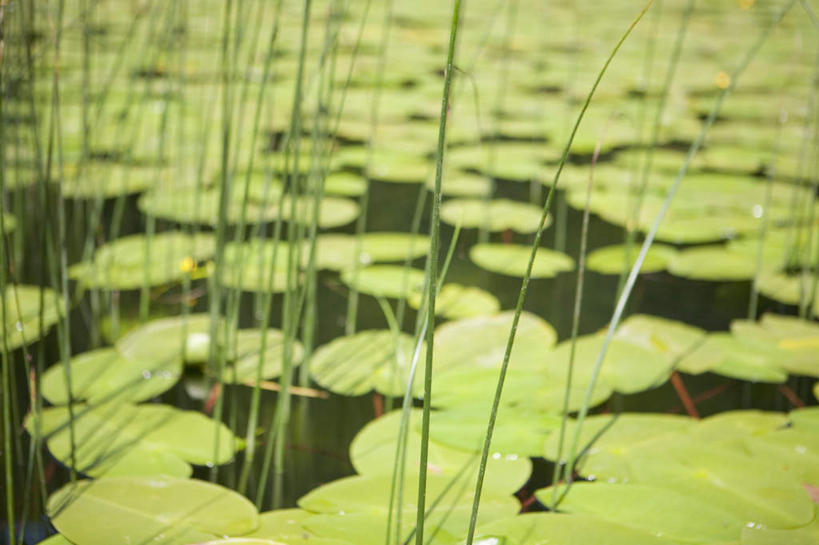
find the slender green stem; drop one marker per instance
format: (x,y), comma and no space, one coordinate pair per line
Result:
(435,234)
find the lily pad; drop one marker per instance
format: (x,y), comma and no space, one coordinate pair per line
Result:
(559,529)
(373,452)
(627,367)
(156,510)
(797,339)
(669,338)
(495,215)
(462,184)
(186,338)
(612,259)
(512,260)
(745,359)
(455,301)
(369,360)
(130,262)
(23,311)
(480,342)
(104,374)
(286,526)
(651,509)
(337,251)
(245,359)
(385,280)
(712,263)
(143,440)
(517,431)
(358,506)
(250,265)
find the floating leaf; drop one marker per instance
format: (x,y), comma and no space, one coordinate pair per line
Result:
(495,215)
(530,529)
(246,354)
(797,339)
(182,337)
(22,314)
(669,338)
(144,440)
(456,301)
(286,526)
(251,265)
(337,251)
(156,510)
(627,367)
(462,184)
(104,374)
(480,342)
(369,360)
(512,260)
(130,262)
(373,452)
(712,263)
(518,161)
(651,509)
(385,165)
(385,280)
(789,288)
(517,431)
(357,507)
(745,359)
(612,259)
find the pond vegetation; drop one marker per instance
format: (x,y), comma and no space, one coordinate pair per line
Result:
(378,273)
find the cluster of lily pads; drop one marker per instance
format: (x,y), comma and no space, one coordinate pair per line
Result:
(163,124)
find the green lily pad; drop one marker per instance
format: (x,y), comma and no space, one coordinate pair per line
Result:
(669,338)
(286,526)
(803,535)
(168,339)
(245,358)
(373,452)
(129,262)
(651,509)
(806,418)
(512,260)
(143,440)
(480,342)
(612,259)
(385,280)
(745,359)
(559,529)
(613,455)
(104,374)
(745,485)
(795,451)
(386,165)
(495,215)
(369,360)
(104,179)
(788,288)
(712,263)
(517,431)
(455,301)
(56,539)
(22,314)
(157,510)
(518,161)
(337,251)
(250,265)
(797,339)
(345,184)
(461,184)
(357,507)
(627,367)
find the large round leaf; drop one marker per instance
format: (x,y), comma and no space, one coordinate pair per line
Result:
(149,510)
(375,359)
(512,260)
(120,439)
(23,314)
(495,215)
(105,374)
(385,280)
